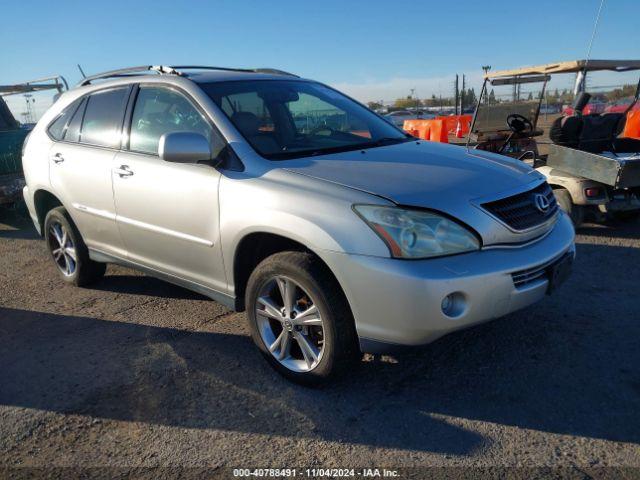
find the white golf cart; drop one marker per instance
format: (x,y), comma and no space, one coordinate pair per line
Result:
(594,172)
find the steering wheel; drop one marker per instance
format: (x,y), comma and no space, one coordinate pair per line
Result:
(518,123)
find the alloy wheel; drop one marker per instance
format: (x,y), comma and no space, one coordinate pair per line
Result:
(63,249)
(290,324)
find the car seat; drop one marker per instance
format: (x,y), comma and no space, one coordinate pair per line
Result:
(249,125)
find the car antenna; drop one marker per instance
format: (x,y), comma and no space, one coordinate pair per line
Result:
(81,71)
(581,76)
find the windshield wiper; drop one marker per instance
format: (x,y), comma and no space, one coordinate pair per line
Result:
(313,152)
(389,140)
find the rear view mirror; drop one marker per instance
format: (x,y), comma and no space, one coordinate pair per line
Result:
(184,147)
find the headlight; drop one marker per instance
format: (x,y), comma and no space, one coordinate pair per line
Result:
(417,233)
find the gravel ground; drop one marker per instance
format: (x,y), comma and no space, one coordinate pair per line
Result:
(137,372)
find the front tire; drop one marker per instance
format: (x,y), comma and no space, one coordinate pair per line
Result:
(68,250)
(300,319)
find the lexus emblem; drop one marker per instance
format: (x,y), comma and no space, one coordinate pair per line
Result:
(541,202)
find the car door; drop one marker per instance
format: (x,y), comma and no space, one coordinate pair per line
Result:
(81,165)
(167,213)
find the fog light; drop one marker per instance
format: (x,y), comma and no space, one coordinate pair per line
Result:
(454,304)
(447,302)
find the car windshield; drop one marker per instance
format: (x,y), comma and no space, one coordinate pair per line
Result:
(284,119)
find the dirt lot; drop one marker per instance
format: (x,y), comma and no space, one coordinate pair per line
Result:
(135,371)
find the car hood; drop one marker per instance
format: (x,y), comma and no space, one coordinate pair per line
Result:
(437,176)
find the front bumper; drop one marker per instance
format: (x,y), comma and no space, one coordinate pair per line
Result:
(399,302)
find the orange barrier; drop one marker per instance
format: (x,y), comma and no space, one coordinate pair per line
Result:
(457,124)
(632,125)
(432,130)
(412,127)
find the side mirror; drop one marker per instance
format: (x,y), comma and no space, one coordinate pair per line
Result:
(184,147)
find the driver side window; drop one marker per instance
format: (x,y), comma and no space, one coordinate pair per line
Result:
(162,110)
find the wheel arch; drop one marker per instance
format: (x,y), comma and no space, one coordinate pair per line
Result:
(43,202)
(253,248)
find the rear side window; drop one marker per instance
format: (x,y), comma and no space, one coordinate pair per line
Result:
(72,133)
(58,128)
(102,123)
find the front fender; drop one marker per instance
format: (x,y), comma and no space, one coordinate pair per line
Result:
(316,214)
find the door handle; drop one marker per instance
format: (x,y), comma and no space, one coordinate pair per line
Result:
(123,171)
(57,158)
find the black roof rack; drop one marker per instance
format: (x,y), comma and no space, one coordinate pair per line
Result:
(272,71)
(174,70)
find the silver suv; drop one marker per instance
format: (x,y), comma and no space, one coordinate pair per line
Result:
(336,231)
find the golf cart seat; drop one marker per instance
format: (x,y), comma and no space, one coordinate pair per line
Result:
(599,132)
(567,130)
(591,133)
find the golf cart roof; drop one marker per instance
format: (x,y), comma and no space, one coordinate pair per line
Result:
(49,83)
(572,66)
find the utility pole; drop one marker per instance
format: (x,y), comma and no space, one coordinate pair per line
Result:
(457,96)
(462,94)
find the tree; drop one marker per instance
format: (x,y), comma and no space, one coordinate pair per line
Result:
(530,97)
(374,105)
(406,102)
(567,96)
(470,98)
(620,93)
(492,97)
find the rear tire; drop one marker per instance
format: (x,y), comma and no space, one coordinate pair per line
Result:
(565,202)
(68,250)
(330,329)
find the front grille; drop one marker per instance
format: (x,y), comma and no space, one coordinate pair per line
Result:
(522,278)
(520,211)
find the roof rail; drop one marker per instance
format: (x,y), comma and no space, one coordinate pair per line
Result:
(125,72)
(229,69)
(174,70)
(275,71)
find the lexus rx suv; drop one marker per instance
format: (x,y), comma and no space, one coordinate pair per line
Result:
(337,232)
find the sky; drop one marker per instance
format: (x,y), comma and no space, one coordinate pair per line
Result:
(371,50)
